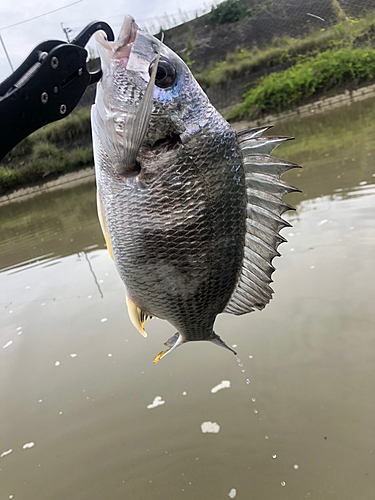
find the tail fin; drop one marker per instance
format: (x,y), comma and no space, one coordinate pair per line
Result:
(177,340)
(217,340)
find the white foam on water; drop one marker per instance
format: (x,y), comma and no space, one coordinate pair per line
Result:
(28,445)
(211,427)
(232,493)
(224,384)
(5,453)
(158,401)
(8,344)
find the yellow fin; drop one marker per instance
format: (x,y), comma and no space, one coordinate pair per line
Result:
(103,223)
(161,355)
(170,344)
(137,316)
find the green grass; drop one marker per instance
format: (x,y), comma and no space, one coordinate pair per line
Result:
(60,147)
(285,49)
(66,130)
(308,78)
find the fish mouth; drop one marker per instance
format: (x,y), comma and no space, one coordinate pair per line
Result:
(121,48)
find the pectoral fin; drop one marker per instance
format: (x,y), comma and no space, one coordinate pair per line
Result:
(136,124)
(218,341)
(137,316)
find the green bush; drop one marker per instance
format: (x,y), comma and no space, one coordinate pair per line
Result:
(228,11)
(289,88)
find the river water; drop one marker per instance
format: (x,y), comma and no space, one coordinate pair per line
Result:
(78,415)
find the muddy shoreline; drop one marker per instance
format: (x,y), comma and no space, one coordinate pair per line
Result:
(88,174)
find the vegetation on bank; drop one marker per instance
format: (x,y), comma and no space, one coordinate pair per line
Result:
(60,147)
(348,32)
(312,76)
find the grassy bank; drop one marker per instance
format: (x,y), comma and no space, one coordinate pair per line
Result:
(348,32)
(308,78)
(58,148)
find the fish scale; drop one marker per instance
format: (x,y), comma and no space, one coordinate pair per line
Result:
(168,246)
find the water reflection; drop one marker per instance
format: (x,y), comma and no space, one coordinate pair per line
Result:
(77,382)
(60,223)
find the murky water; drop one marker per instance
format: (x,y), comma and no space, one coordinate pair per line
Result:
(85,414)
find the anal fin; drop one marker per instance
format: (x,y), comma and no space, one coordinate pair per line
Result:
(137,316)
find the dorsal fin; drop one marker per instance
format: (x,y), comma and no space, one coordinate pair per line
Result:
(265,191)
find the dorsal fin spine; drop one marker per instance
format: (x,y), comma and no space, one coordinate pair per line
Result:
(264,191)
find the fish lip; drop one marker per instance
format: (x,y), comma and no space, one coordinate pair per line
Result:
(128,31)
(127,37)
(121,48)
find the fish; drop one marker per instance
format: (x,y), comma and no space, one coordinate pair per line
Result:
(190,210)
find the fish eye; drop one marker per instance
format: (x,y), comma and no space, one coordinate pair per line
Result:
(165,74)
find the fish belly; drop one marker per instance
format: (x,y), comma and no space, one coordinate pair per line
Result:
(178,240)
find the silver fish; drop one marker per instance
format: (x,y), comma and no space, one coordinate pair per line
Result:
(190,210)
